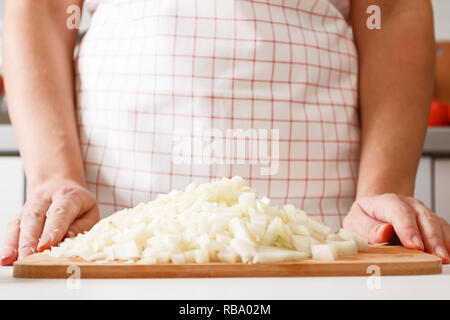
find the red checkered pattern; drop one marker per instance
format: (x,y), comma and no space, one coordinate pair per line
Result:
(150,71)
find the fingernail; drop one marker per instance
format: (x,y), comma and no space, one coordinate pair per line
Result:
(416,240)
(54,234)
(7,261)
(25,252)
(441,252)
(7,253)
(45,239)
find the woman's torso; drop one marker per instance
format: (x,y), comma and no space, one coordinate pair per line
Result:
(158,77)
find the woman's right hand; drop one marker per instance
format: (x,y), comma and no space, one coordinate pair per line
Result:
(52,212)
(45,125)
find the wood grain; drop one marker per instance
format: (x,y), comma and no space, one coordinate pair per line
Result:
(392,260)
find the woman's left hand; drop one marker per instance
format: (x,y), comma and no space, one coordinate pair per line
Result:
(417,227)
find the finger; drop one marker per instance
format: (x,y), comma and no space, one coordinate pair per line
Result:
(430,228)
(398,212)
(375,231)
(10,243)
(32,221)
(63,210)
(443,220)
(445,226)
(84,223)
(446,235)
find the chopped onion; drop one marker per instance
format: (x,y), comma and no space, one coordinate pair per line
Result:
(361,242)
(221,221)
(324,252)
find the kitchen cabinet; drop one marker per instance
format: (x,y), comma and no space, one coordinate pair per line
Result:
(424,179)
(12,189)
(442,187)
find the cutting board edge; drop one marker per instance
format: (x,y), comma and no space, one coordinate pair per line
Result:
(226,270)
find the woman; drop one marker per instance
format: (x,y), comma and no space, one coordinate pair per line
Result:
(151,73)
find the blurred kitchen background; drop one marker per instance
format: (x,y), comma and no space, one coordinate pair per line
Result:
(433,179)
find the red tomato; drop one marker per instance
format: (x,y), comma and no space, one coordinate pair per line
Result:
(439,114)
(448,109)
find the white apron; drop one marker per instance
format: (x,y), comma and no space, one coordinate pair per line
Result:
(170,92)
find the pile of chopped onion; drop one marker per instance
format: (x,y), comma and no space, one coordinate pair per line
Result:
(221,221)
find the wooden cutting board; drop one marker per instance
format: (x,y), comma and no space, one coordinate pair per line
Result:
(392,260)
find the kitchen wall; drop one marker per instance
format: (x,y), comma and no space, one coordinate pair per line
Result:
(442,19)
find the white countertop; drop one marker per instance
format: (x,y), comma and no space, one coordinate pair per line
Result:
(398,287)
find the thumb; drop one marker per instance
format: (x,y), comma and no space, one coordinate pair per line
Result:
(375,231)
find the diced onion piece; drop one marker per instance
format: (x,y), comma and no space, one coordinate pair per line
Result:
(239,230)
(177,258)
(276,228)
(228,256)
(273,254)
(201,256)
(299,229)
(324,252)
(314,240)
(258,223)
(302,243)
(361,242)
(245,249)
(345,247)
(320,228)
(163,257)
(247,198)
(334,237)
(189,256)
(127,250)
